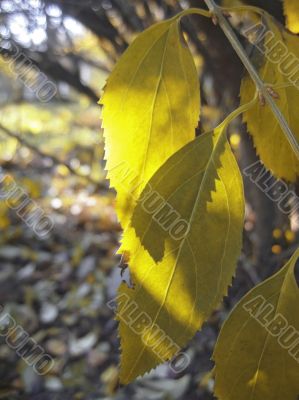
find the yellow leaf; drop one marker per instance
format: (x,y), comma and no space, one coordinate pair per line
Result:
(184,242)
(276,249)
(277,233)
(290,236)
(257,353)
(4,216)
(269,140)
(151,109)
(291,10)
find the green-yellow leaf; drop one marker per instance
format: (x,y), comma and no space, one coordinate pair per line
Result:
(151,109)
(257,353)
(291,10)
(276,69)
(180,276)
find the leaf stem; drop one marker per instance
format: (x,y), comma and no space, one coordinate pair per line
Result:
(240,110)
(230,34)
(199,11)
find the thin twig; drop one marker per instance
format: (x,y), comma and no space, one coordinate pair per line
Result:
(55,160)
(230,34)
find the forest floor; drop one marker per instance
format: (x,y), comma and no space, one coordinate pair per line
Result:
(57,290)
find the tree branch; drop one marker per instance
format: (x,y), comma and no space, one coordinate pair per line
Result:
(55,160)
(230,34)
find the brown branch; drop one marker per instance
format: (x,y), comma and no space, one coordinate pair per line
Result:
(55,160)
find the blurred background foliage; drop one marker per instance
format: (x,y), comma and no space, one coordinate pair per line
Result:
(57,288)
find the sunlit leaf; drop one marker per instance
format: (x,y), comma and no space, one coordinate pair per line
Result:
(269,139)
(291,10)
(181,270)
(257,354)
(151,109)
